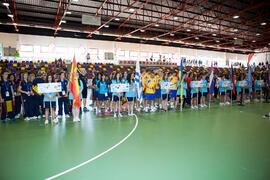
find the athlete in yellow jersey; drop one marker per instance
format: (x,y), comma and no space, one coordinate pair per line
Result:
(150,85)
(158,90)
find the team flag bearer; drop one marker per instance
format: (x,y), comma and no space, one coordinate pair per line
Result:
(75,89)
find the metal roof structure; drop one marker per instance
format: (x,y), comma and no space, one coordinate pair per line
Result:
(239,26)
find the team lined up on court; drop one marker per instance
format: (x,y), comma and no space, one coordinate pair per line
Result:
(20,92)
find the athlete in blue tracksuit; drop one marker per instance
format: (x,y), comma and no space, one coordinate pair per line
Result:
(63,96)
(39,98)
(7,97)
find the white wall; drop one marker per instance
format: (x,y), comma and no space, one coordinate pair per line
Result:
(66,47)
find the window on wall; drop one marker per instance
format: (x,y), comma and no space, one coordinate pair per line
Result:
(26,51)
(133,55)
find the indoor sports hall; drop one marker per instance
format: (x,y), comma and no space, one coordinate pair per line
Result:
(134,89)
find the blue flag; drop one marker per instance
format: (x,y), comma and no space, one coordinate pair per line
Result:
(138,82)
(211,81)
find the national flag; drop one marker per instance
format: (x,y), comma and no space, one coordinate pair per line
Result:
(138,82)
(250,57)
(181,79)
(124,100)
(232,79)
(74,85)
(253,67)
(249,79)
(211,81)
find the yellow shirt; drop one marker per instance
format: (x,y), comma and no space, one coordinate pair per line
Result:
(158,79)
(150,85)
(174,79)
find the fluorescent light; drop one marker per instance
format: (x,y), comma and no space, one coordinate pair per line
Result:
(197,38)
(6,4)
(263,23)
(235,38)
(106,26)
(175,18)
(156,25)
(214,34)
(171,34)
(253,41)
(75,0)
(10,15)
(63,21)
(235,17)
(235,30)
(68,12)
(142,30)
(217,41)
(117,19)
(131,10)
(188,30)
(258,34)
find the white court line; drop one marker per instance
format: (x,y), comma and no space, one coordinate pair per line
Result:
(98,156)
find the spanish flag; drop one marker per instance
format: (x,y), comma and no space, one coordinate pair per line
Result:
(74,85)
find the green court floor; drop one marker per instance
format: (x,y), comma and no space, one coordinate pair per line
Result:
(221,143)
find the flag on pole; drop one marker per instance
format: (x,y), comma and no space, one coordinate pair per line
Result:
(232,79)
(181,79)
(74,85)
(138,82)
(211,81)
(249,79)
(250,57)
(253,67)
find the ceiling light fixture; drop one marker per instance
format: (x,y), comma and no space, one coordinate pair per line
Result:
(156,25)
(253,41)
(142,30)
(117,19)
(106,26)
(188,30)
(6,4)
(258,34)
(175,18)
(131,10)
(235,38)
(263,23)
(68,12)
(217,41)
(235,17)
(235,30)
(10,15)
(197,38)
(63,21)
(171,34)
(214,34)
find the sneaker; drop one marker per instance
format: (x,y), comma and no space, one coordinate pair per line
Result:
(131,114)
(227,103)
(120,115)
(60,116)
(195,107)
(192,107)
(67,116)
(201,105)
(46,122)
(55,120)
(152,110)
(85,109)
(145,109)
(74,120)
(139,109)
(43,116)
(26,119)
(114,115)
(99,113)
(17,117)
(221,104)
(39,117)
(78,119)
(256,100)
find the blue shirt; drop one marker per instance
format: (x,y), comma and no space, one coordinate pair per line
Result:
(203,89)
(184,91)
(238,88)
(132,90)
(193,88)
(228,80)
(25,86)
(64,87)
(45,99)
(102,85)
(95,82)
(124,80)
(6,90)
(221,89)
